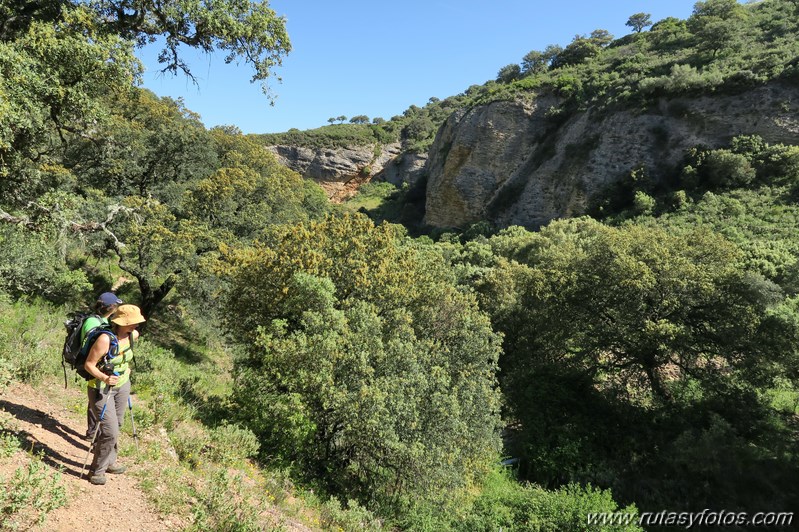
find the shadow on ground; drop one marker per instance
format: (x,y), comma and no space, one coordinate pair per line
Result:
(50,456)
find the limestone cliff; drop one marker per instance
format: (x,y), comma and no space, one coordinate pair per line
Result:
(517,162)
(340,171)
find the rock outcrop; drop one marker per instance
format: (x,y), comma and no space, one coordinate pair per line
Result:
(340,171)
(515,162)
(407,167)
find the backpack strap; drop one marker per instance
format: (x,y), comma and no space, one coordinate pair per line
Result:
(113,348)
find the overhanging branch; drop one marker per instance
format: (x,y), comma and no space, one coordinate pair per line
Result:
(17,220)
(75,227)
(90,227)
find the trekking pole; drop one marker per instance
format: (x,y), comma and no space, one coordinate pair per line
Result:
(96,428)
(133,424)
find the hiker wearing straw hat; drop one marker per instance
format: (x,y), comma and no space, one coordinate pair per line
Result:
(109,363)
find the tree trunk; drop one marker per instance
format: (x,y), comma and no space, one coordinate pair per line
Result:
(151,298)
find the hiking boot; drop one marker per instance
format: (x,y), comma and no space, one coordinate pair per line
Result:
(116,469)
(97,480)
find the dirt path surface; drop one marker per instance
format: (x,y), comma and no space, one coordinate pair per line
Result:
(57,432)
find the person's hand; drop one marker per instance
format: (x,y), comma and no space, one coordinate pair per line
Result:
(112,380)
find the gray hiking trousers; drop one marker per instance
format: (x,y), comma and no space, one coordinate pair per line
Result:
(105,445)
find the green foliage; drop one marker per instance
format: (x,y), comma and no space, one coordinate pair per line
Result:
(10,439)
(226,444)
(251,190)
(52,79)
(29,495)
(148,145)
(364,365)
(534,62)
(784,397)
(578,51)
(643,203)
(717,25)
(509,73)
(738,467)
(607,329)
(28,265)
(776,164)
(370,196)
(722,168)
(249,31)
(30,343)
(225,506)
(639,21)
(351,518)
(419,132)
(681,79)
(506,505)
(335,135)
(762,224)
(567,85)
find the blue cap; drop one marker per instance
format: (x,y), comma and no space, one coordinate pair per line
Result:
(108,298)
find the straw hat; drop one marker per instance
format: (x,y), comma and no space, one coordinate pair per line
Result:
(127,315)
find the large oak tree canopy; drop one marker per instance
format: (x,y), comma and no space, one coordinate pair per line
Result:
(244,29)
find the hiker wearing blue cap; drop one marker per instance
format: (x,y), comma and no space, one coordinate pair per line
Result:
(108,362)
(104,307)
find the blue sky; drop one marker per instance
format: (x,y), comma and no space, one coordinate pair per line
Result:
(376,58)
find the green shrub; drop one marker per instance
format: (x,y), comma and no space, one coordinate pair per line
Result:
(10,440)
(28,496)
(191,442)
(679,199)
(376,189)
(683,78)
(225,505)
(162,380)
(506,505)
(784,396)
(333,136)
(568,85)
(643,203)
(722,168)
(366,368)
(351,518)
(230,444)
(779,164)
(226,444)
(29,342)
(29,265)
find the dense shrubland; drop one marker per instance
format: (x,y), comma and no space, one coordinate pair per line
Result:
(647,357)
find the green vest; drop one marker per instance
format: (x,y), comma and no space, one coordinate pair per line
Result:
(121,363)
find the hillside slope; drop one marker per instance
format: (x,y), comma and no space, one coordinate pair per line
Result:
(53,431)
(509,163)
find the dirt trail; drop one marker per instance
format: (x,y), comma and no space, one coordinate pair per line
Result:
(57,431)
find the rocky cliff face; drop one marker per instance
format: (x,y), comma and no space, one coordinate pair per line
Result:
(340,171)
(513,163)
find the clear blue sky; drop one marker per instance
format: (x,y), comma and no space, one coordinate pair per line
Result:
(376,58)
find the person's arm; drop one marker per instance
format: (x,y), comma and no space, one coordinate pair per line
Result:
(98,351)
